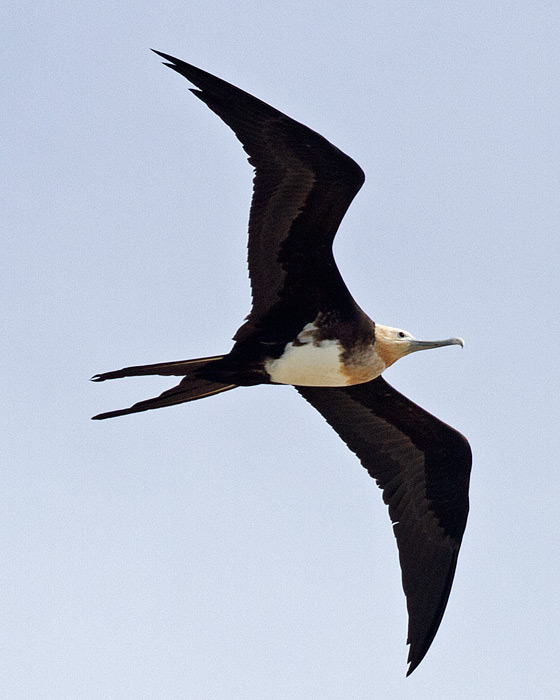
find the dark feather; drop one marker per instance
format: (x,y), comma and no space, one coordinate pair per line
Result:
(303,186)
(423,467)
(194,385)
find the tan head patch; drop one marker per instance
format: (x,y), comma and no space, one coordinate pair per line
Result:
(387,347)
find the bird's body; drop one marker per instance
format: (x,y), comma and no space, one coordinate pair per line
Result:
(305,329)
(310,360)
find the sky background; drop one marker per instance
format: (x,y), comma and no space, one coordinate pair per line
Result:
(234,548)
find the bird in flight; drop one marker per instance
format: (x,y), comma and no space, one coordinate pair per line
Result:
(305,329)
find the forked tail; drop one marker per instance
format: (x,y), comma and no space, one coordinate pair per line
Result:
(191,387)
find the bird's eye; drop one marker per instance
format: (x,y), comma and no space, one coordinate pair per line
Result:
(401,334)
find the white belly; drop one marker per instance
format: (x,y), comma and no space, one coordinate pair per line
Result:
(309,365)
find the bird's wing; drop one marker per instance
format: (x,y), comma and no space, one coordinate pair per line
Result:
(423,467)
(302,187)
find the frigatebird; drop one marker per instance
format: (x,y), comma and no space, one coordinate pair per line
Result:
(305,329)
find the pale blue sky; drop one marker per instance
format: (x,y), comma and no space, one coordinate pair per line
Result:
(234,548)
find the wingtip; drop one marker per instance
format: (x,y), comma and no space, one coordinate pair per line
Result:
(419,648)
(415,658)
(163,55)
(417,652)
(413,666)
(172,62)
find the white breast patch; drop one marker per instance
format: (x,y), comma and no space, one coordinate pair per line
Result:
(308,363)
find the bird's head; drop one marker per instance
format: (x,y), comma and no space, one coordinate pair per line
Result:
(393,343)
